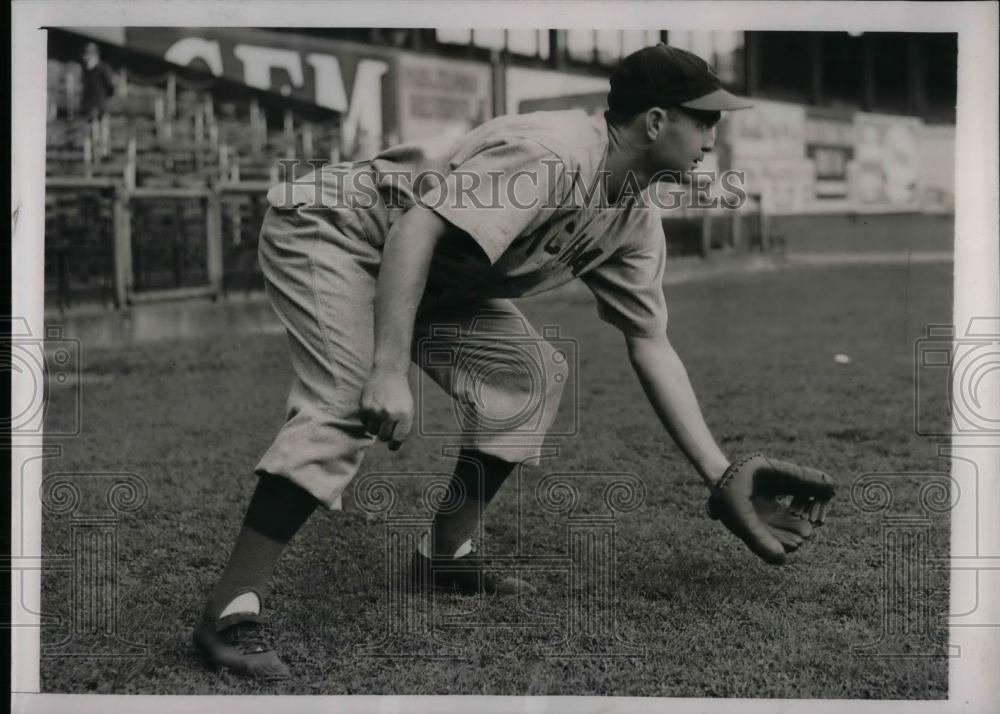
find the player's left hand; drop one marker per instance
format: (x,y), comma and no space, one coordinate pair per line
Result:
(772,506)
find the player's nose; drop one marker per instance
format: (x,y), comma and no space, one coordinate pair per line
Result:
(708,140)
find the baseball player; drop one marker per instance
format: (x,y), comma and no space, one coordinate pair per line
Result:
(363,260)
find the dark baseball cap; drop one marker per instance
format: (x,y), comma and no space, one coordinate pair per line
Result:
(664,76)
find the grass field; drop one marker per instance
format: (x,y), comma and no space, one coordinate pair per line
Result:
(695,613)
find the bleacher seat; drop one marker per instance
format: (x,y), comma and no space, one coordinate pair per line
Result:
(207,140)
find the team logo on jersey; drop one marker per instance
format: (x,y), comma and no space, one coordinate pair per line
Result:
(570,242)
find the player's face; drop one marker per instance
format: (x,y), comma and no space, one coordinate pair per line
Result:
(683,140)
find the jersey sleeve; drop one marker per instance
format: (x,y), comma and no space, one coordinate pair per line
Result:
(499,191)
(629,285)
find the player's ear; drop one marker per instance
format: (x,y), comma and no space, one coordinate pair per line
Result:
(656,121)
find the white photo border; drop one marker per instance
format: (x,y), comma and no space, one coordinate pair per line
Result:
(973,684)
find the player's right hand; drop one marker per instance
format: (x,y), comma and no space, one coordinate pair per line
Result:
(387,407)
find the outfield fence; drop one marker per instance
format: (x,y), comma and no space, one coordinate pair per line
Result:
(708,232)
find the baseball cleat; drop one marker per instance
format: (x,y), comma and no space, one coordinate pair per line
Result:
(240,644)
(465,576)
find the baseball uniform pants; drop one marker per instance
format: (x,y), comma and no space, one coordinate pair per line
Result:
(321,267)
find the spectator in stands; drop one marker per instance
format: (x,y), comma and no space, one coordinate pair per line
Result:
(98,83)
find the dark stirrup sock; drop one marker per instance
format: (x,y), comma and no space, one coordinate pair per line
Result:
(478,476)
(277,510)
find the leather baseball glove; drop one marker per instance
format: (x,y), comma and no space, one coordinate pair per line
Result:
(772,506)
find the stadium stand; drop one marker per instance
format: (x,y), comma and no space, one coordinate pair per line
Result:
(163,195)
(176,144)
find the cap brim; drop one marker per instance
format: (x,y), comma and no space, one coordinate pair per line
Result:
(718,101)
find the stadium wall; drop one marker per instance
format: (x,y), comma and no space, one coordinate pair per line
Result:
(164,197)
(798,157)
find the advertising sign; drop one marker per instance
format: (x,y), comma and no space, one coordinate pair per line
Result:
(887,159)
(937,168)
(768,144)
(775,129)
(359,81)
(830,140)
(526,85)
(441,96)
